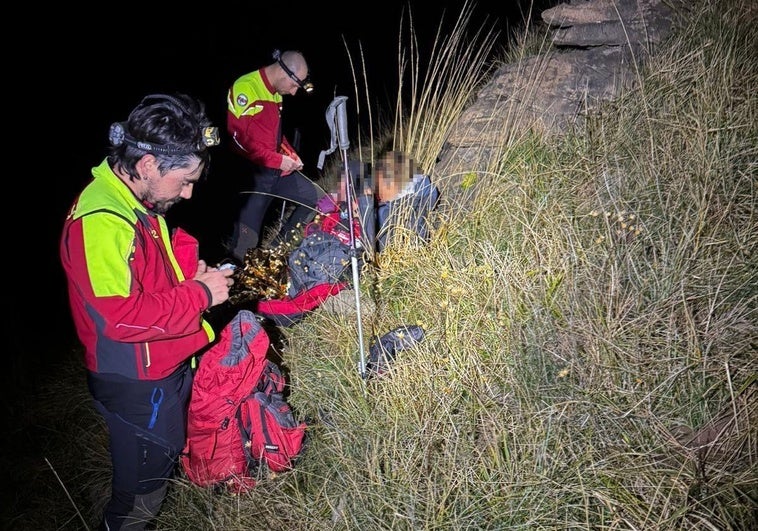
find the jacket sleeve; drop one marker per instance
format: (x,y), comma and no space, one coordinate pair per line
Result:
(128,284)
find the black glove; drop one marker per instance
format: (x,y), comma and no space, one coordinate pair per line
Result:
(383,351)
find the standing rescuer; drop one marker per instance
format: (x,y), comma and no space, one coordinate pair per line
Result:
(254,107)
(138,292)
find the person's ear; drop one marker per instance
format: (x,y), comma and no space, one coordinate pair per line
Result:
(147,166)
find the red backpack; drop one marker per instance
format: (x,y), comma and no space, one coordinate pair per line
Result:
(238,419)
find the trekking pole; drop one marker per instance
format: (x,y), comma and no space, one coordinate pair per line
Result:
(337,115)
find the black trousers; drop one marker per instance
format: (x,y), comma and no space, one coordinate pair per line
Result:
(147,422)
(266,185)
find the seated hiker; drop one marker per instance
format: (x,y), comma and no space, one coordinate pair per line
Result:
(393,199)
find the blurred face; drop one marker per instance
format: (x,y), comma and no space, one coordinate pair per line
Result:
(392,176)
(164,191)
(342,193)
(389,185)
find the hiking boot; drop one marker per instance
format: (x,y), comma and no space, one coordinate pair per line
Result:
(244,238)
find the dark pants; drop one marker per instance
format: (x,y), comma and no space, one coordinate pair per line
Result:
(147,423)
(266,185)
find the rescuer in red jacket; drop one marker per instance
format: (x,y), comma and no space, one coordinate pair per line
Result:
(138,293)
(254,107)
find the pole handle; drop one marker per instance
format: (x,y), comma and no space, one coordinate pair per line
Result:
(344,141)
(336,117)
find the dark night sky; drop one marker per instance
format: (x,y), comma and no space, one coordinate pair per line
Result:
(79,76)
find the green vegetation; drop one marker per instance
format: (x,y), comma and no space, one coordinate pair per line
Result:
(590,308)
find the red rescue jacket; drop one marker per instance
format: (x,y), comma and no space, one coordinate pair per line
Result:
(135,311)
(253,120)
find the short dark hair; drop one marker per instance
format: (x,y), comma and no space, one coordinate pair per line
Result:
(174,124)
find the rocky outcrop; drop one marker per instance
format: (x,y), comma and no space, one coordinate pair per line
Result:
(593,53)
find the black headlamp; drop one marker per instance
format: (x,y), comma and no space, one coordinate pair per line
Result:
(304,84)
(211,137)
(117,135)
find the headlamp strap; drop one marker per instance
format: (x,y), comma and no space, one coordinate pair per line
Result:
(117,135)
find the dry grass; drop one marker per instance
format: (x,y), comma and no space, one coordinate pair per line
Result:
(590,359)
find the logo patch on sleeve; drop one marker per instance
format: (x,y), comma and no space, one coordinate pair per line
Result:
(241,100)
